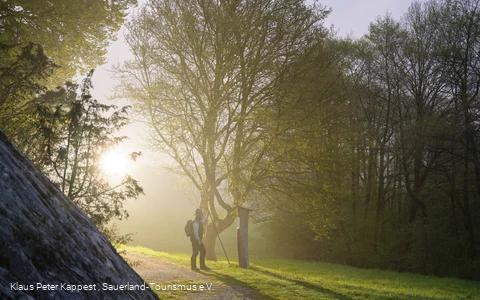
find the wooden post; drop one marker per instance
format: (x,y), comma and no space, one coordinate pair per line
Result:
(242,237)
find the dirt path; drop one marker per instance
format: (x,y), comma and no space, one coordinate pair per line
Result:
(166,277)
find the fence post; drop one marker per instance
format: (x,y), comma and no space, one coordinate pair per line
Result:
(242,237)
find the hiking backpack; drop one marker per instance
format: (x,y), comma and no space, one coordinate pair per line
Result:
(189,228)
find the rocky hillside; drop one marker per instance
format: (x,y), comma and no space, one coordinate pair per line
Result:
(49,249)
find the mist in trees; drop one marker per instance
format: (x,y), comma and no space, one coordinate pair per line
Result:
(204,78)
(354,151)
(409,198)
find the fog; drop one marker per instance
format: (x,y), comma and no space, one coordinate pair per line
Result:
(156,218)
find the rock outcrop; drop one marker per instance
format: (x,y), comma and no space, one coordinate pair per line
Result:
(49,248)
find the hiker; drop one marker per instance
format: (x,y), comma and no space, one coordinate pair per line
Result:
(196,239)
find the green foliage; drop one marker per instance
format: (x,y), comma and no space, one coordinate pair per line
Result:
(392,181)
(23,69)
(42,45)
(73,34)
(69,134)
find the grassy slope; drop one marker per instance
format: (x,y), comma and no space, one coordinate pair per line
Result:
(288,279)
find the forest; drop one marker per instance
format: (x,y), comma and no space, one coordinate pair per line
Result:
(355,151)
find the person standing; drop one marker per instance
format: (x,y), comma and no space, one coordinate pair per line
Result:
(197,240)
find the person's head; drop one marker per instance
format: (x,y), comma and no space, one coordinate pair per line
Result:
(199,214)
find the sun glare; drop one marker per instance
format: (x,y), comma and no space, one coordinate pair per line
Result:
(114,163)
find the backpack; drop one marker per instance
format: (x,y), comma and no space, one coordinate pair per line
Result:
(189,228)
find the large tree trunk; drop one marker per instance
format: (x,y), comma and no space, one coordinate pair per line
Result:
(213,232)
(210,242)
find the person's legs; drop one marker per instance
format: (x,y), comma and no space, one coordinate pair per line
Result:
(193,259)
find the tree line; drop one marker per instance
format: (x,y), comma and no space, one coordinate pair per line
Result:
(359,151)
(390,174)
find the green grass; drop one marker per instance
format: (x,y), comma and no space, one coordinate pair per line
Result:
(289,279)
(179,293)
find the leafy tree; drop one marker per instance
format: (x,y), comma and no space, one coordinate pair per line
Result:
(20,80)
(307,186)
(73,132)
(73,34)
(412,133)
(204,77)
(43,44)
(458,22)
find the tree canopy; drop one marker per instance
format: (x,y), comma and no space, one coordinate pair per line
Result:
(73,34)
(204,77)
(43,45)
(408,198)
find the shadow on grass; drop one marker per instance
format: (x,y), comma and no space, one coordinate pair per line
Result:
(355,290)
(316,288)
(234,282)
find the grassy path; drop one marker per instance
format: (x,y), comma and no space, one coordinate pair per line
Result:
(173,281)
(288,279)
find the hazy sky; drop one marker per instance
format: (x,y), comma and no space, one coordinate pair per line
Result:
(354,16)
(349,17)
